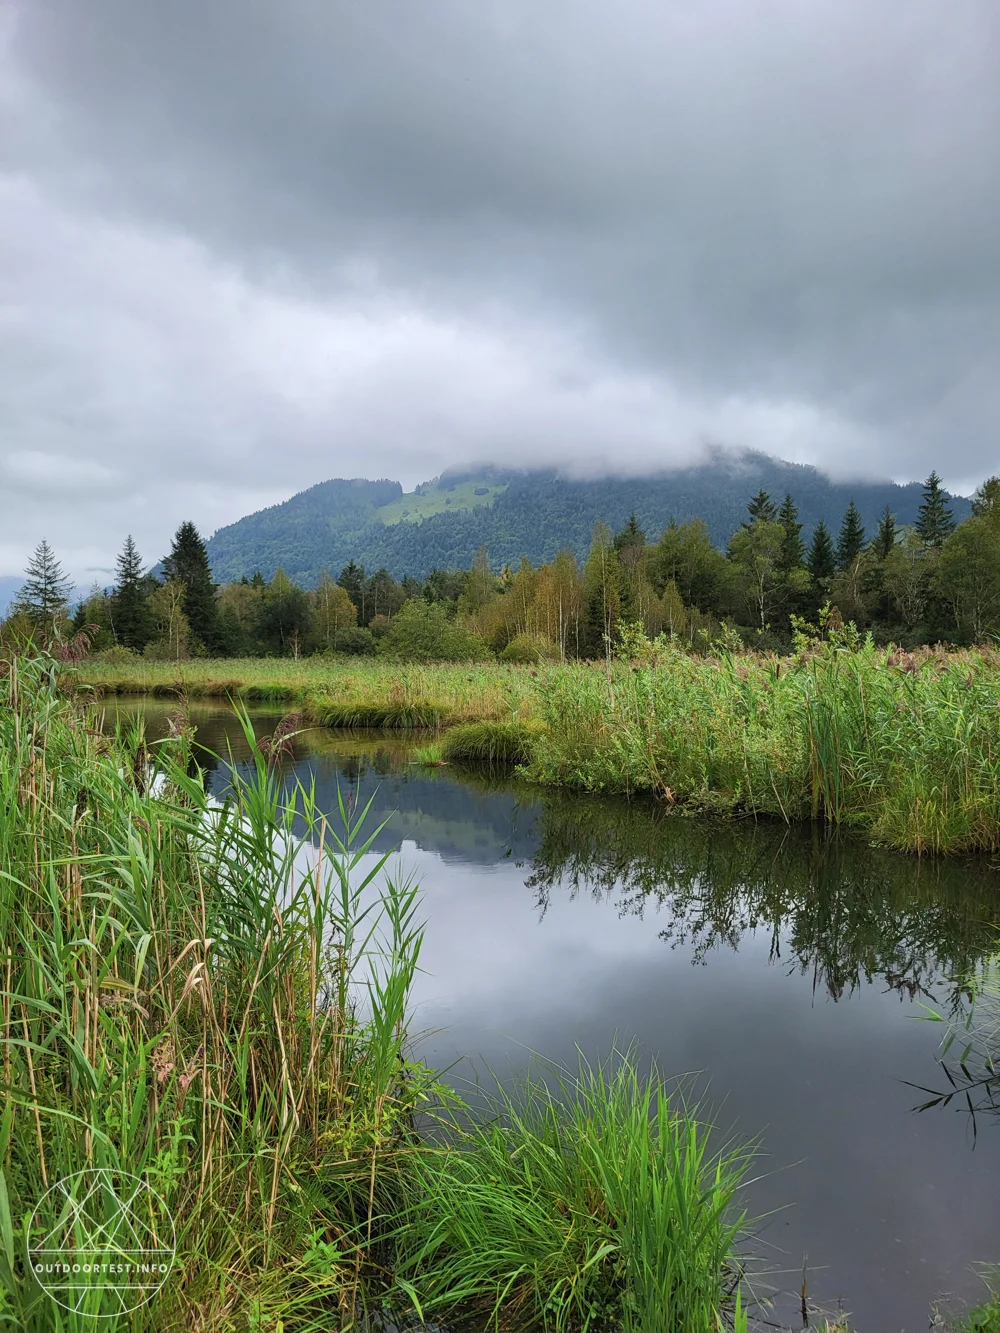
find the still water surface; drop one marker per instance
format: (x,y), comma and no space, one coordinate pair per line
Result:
(785,971)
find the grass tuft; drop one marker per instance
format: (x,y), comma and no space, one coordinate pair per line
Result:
(580,1203)
(489,743)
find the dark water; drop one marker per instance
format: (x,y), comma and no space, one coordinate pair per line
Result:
(787,971)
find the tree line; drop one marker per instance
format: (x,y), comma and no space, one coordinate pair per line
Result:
(936,580)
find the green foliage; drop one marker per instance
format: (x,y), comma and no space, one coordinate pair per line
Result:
(934,519)
(530,649)
(761,509)
(489,743)
(157,1020)
(592,1201)
(424,632)
(133,621)
(536,515)
(187,564)
(885,537)
(44,595)
(793,551)
(822,561)
(851,540)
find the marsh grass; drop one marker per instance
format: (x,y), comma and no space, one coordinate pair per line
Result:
(490,742)
(179,986)
(213,997)
(580,1203)
(904,746)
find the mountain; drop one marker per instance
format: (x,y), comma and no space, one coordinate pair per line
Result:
(535,514)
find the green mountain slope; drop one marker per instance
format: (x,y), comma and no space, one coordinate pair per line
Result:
(516,514)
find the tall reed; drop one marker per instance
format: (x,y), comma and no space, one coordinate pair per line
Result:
(179,987)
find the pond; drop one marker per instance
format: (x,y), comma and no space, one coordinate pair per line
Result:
(784,971)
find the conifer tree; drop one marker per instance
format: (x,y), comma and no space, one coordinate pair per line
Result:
(822,561)
(793,550)
(631,536)
(885,537)
(602,593)
(45,592)
(130,613)
(762,508)
(934,519)
(188,565)
(851,541)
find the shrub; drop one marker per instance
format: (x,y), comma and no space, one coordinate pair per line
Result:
(530,649)
(118,652)
(424,632)
(355,640)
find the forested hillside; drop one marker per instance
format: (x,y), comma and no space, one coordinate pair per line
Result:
(533,515)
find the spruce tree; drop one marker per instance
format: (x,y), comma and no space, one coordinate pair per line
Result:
(45,592)
(131,617)
(793,550)
(631,537)
(822,562)
(851,541)
(188,564)
(934,519)
(885,538)
(762,507)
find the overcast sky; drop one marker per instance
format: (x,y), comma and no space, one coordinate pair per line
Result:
(247,245)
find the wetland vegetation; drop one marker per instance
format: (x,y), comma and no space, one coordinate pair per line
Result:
(904,746)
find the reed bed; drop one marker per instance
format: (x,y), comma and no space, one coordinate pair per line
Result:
(905,746)
(214,999)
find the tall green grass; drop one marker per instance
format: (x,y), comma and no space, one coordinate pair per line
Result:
(179,986)
(214,998)
(579,1204)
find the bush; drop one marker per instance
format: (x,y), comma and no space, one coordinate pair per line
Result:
(118,652)
(424,632)
(530,649)
(355,640)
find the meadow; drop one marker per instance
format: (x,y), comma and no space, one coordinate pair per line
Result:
(197,996)
(903,746)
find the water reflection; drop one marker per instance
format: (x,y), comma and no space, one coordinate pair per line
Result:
(557,920)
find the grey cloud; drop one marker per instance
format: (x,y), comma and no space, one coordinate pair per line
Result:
(648,226)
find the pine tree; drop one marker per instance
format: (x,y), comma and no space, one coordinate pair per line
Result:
(793,550)
(885,538)
(821,562)
(851,541)
(188,564)
(762,507)
(934,518)
(45,592)
(130,613)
